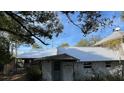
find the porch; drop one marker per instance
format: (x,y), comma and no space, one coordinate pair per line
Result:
(58,67)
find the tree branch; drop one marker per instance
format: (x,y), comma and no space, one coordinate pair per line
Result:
(13,16)
(72,21)
(11,32)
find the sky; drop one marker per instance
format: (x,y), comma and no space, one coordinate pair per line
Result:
(72,34)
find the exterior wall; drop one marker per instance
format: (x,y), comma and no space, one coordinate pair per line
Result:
(47,71)
(67,71)
(100,68)
(80,73)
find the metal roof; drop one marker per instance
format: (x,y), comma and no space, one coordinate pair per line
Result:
(39,53)
(84,54)
(60,57)
(91,53)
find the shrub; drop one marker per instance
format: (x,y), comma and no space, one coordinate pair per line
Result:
(98,77)
(34,73)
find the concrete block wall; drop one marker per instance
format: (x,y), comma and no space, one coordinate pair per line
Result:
(100,68)
(47,71)
(67,71)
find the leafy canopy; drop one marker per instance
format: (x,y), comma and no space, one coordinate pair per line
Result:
(64,45)
(5,56)
(24,26)
(82,43)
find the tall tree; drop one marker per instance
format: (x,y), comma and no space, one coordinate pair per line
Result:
(93,39)
(5,56)
(26,26)
(82,43)
(88,21)
(64,45)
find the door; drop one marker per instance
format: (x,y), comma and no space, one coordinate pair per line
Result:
(57,71)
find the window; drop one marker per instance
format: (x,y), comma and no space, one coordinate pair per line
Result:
(88,65)
(57,66)
(108,64)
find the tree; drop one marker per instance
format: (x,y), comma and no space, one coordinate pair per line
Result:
(64,45)
(5,56)
(122,15)
(94,39)
(113,43)
(88,21)
(36,46)
(82,43)
(26,26)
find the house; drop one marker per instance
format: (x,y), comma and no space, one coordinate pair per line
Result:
(77,63)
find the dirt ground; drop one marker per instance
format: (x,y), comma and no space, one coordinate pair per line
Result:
(16,77)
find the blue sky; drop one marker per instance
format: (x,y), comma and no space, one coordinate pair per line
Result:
(71,34)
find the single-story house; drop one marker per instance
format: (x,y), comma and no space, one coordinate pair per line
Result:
(79,63)
(75,63)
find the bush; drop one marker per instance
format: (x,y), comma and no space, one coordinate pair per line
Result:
(34,73)
(99,77)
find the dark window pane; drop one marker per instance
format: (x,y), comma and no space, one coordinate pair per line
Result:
(88,65)
(56,66)
(108,64)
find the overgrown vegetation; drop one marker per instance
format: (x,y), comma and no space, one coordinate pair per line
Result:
(5,56)
(34,73)
(105,78)
(102,76)
(113,43)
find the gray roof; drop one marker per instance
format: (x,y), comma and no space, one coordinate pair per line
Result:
(38,53)
(84,54)
(91,53)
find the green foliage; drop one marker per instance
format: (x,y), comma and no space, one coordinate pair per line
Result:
(82,43)
(24,26)
(64,45)
(106,78)
(36,46)
(88,21)
(101,76)
(88,42)
(113,43)
(34,73)
(122,15)
(5,56)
